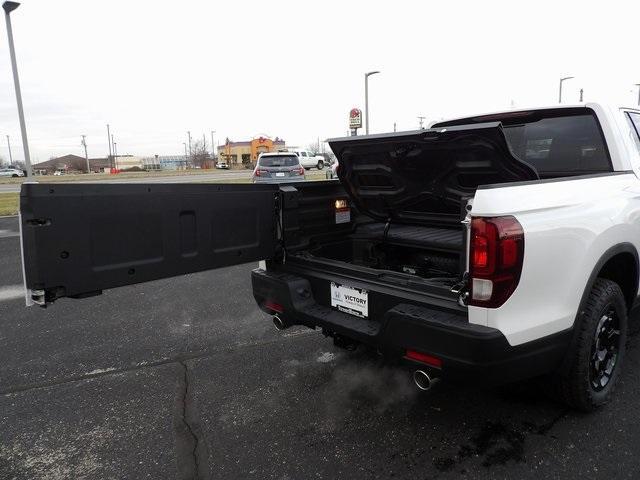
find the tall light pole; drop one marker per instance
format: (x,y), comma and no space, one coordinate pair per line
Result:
(115,154)
(638,85)
(366,99)
(213,145)
(86,156)
(109,142)
(189,135)
(8,8)
(185,154)
(9,147)
(560,89)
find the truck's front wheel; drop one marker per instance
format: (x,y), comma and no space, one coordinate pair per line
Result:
(595,357)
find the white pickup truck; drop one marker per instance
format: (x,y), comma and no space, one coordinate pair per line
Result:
(491,248)
(309,160)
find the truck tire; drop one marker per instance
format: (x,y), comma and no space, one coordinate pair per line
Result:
(320,165)
(596,355)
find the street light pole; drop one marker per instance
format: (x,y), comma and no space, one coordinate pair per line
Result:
(213,145)
(366,99)
(560,90)
(185,154)
(86,156)
(638,85)
(9,147)
(8,8)
(109,142)
(189,135)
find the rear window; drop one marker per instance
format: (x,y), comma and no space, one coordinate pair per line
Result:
(556,142)
(279,161)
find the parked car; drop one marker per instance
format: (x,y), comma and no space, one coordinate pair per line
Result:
(465,257)
(222,165)
(309,160)
(11,172)
(277,167)
(332,171)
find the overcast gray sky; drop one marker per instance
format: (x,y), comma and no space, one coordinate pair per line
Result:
(155,69)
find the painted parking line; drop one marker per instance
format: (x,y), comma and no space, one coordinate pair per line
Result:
(11,292)
(8,233)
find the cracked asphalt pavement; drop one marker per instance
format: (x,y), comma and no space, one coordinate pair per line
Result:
(185,378)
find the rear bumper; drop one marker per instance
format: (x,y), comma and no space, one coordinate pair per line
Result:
(278,180)
(468,352)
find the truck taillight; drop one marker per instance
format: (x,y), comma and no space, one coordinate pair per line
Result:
(496,254)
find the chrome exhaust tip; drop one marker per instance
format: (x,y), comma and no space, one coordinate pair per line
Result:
(423,380)
(279,324)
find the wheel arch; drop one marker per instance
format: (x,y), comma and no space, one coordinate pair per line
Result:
(609,266)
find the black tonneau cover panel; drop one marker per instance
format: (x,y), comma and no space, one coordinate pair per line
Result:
(79,239)
(422,176)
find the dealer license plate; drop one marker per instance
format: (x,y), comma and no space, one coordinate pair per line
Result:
(354,301)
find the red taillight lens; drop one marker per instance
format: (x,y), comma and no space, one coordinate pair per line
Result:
(301,171)
(273,306)
(496,255)
(423,358)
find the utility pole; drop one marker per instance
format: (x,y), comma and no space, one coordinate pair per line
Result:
(9,147)
(638,85)
(213,146)
(8,8)
(109,142)
(394,126)
(189,134)
(115,154)
(366,98)
(86,156)
(581,94)
(560,89)
(421,120)
(185,154)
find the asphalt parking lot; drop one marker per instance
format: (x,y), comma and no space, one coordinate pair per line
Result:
(185,378)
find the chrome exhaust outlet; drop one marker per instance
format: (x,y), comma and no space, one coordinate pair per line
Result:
(279,324)
(423,380)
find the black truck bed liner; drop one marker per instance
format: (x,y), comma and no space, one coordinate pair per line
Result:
(445,239)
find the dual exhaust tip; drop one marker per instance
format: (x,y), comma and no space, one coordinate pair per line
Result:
(424,381)
(279,323)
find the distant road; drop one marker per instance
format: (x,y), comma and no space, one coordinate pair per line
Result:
(205,177)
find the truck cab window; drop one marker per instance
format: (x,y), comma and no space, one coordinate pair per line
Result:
(634,118)
(557,143)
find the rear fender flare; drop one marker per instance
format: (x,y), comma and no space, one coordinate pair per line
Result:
(606,256)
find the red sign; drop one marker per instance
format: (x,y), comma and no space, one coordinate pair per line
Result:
(355,118)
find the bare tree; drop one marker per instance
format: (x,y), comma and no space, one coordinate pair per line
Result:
(2,162)
(314,147)
(200,156)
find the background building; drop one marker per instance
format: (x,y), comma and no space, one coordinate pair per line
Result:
(125,162)
(165,162)
(71,163)
(246,152)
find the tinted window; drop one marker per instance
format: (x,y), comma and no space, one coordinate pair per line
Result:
(555,142)
(279,161)
(635,121)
